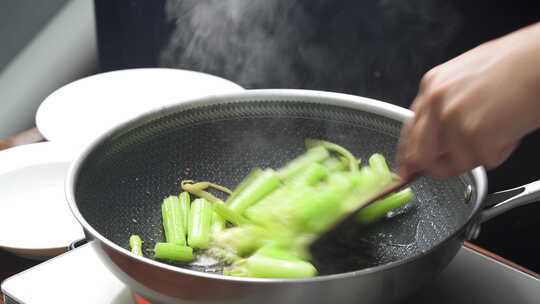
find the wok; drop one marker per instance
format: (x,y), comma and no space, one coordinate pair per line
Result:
(115,188)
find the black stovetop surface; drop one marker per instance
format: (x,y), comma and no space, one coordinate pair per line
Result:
(376,48)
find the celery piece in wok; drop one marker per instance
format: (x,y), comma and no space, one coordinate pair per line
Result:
(295,188)
(245,182)
(266,182)
(352,161)
(264,264)
(218,223)
(312,174)
(219,206)
(269,211)
(199,224)
(173,252)
(228,214)
(377,162)
(313,155)
(240,241)
(318,211)
(276,251)
(173,225)
(135,244)
(185,203)
(305,198)
(381,208)
(335,164)
(367,182)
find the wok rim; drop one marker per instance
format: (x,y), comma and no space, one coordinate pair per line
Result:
(297,95)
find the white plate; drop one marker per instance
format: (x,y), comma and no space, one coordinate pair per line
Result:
(78,112)
(35,220)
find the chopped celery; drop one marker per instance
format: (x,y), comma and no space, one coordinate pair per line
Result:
(379,165)
(380,208)
(266,182)
(248,180)
(173,252)
(199,224)
(277,252)
(313,155)
(311,175)
(271,210)
(261,266)
(218,223)
(367,182)
(172,221)
(229,215)
(219,206)
(334,164)
(135,243)
(206,185)
(276,214)
(185,203)
(353,162)
(317,211)
(240,240)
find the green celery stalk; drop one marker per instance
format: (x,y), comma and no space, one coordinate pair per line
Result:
(333,164)
(317,211)
(273,209)
(173,252)
(219,206)
(172,221)
(261,266)
(313,155)
(266,182)
(135,243)
(185,203)
(218,223)
(199,224)
(240,241)
(367,183)
(277,252)
(229,215)
(311,175)
(352,161)
(245,182)
(379,165)
(380,208)
(273,198)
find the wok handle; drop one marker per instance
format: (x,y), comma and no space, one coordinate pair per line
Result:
(500,202)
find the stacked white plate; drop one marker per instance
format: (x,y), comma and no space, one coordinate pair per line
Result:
(35,220)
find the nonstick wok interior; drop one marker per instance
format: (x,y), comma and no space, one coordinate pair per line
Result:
(124,179)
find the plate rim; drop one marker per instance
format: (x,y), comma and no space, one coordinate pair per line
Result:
(43,120)
(25,157)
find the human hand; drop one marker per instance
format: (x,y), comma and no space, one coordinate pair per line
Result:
(474,109)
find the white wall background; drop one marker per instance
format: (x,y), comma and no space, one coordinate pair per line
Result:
(43,45)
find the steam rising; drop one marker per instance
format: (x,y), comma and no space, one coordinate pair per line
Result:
(362,47)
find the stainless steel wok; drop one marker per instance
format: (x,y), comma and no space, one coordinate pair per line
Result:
(116,185)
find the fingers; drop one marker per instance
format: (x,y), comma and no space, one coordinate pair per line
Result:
(473,110)
(419,145)
(450,164)
(458,153)
(444,140)
(405,167)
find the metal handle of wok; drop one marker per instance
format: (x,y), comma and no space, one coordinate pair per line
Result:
(500,202)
